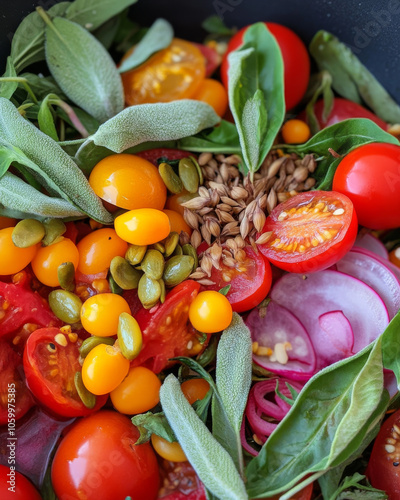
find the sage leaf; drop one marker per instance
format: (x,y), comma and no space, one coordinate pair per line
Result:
(46,118)
(256,95)
(158,37)
(42,85)
(153,423)
(88,77)
(106,33)
(7,89)
(211,462)
(221,139)
(350,78)
(15,194)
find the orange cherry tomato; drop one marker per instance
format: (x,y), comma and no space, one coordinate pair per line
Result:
(172,73)
(169,451)
(128,181)
(213,93)
(47,259)
(195,389)
(143,226)
(210,312)
(295,132)
(177,222)
(138,392)
(175,201)
(100,314)
(7,222)
(97,249)
(13,259)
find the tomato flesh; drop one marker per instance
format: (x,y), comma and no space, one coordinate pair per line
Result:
(310,231)
(180,482)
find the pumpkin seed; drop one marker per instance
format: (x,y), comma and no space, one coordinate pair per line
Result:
(198,168)
(114,287)
(87,398)
(178,251)
(170,243)
(27,232)
(158,246)
(163,291)
(65,305)
(171,180)
(135,254)
(93,341)
(66,276)
(124,275)
(153,264)
(177,269)
(188,174)
(189,250)
(130,338)
(54,228)
(149,291)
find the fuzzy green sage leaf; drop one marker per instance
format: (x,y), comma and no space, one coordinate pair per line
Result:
(7,88)
(46,118)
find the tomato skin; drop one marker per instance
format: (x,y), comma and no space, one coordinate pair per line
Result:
(212,92)
(295,56)
(13,258)
(168,451)
(210,312)
(98,459)
(23,488)
(370,176)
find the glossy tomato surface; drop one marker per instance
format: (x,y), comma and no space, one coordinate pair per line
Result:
(50,369)
(98,459)
(295,56)
(310,231)
(180,482)
(370,177)
(15,486)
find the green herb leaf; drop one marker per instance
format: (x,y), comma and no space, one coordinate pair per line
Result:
(256,95)
(225,290)
(216,26)
(212,463)
(324,89)
(221,139)
(7,89)
(107,32)
(153,423)
(351,79)
(43,85)
(158,37)
(362,492)
(88,77)
(46,118)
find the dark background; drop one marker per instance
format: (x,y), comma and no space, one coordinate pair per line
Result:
(370,27)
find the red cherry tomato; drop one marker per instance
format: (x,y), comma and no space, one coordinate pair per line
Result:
(13,389)
(370,177)
(50,368)
(295,56)
(15,486)
(383,469)
(180,482)
(211,56)
(152,155)
(98,459)
(310,231)
(166,329)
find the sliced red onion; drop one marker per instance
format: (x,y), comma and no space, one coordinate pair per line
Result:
(310,296)
(338,333)
(279,325)
(371,243)
(394,269)
(376,274)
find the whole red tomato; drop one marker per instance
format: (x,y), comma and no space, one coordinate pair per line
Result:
(15,486)
(296,61)
(370,177)
(98,459)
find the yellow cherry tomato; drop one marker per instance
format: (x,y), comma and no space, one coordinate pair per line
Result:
(177,222)
(167,450)
(295,132)
(138,392)
(100,314)
(394,257)
(13,259)
(104,368)
(175,201)
(47,259)
(213,93)
(98,248)
(195,389)
(143,226)
(7,222)
(128,181)
(172,73)
(210,312)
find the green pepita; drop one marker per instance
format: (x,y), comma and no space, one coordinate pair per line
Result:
(163,291)
(198,168)
(93,341)
(135,254)
(189,250)
(189,175)
(66,276)
(130,338)
(28,232)
(54,228)
(65,305)
(87,398)
(149,291)
(159,246)
(170,243)
(153,264)
(178,251)
(114,287)
(124,275)
(177,269)
(171,180)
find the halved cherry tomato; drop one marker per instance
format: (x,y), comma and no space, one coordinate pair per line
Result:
(152,155)
(180,482)
(50,368)
(310,231)
(166,329)
(211,56)
(15,486)
(13,390)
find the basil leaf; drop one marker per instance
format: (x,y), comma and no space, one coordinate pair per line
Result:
(210,460)
(153,423)
(221,139)
(46,118)
(7,89)
(351,79)
(158,37)
(88,77)
(256,95)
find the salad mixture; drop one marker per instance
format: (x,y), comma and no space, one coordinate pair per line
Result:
(200,264)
